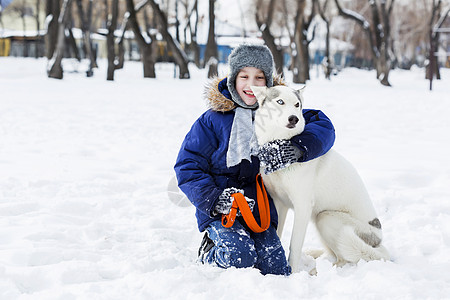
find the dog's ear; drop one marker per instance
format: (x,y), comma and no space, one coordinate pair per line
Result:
(260,93)
(299,93)
(301,89)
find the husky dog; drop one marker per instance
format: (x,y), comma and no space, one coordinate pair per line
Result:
(327,189)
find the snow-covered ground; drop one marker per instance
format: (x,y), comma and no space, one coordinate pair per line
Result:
(85,167)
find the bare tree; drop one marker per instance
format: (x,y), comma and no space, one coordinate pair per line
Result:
(178,54)
(410,32)
(290,31)
(378,34)
(194,44)
(55,70)
(433,66)
(71,42)
(177,22)
(300,51)
(264,24)
(145,43)
(110,44)
(328,63)
(186,17)
(298,34)
(211,54)
(86,29)
(37,53)
(150,28)
(192,26)
(51,38)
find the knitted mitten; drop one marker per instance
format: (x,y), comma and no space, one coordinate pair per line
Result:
(278,154)
(223,205)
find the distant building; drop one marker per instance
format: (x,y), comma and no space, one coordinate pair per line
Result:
(23,44)
(18,34)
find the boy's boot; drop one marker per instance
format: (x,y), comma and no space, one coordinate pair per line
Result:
(205,247)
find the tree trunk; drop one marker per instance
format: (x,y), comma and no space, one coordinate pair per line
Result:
(267,36)
(73,44)
(148,61)
(194,46)
(433,65)
(286,24)
(211,55)
(328,64)
(177,23)
(85,27)
(301,54)
(302,59)
(384,67)
(383,31)
(51,38)
(153,53)
(178,54)
(25,42)
(56,71)
(437,70)
(110,44)
(37,52)
(145,47)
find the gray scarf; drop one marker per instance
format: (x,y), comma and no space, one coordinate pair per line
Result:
(243,143)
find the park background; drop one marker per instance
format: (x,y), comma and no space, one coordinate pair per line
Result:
(89,208)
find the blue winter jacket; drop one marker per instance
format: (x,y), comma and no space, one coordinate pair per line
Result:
(201,167)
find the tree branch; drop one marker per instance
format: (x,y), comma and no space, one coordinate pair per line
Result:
(359,19)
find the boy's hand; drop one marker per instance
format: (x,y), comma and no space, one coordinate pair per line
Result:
(277,155)
(223,205)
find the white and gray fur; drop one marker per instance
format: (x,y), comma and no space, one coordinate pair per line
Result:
(326,190)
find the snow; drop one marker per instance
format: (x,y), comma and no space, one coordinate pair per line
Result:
(6,33)
(85,167)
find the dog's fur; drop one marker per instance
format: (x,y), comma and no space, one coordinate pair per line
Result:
(327,190)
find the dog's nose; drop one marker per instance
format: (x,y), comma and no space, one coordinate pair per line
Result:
(293,120)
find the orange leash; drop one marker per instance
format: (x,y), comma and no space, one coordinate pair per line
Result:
(241,203)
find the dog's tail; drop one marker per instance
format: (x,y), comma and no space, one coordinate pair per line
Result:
(351,247)
(350,240)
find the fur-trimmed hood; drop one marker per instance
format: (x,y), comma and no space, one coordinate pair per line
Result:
(216,99)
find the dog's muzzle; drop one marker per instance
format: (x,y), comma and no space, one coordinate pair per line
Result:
(293,120)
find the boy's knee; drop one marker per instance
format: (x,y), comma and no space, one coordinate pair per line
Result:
(243,256)
(233,247)
(238,254)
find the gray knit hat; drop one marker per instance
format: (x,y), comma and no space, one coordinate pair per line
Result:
(258,56)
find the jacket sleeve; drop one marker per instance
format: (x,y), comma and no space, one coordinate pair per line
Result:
(193,167)
(318,136)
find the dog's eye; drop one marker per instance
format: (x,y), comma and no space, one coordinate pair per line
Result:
(281,102)
(297,105)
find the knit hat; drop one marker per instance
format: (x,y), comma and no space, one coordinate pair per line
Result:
(258,56)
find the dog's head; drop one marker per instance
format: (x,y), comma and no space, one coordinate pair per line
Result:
(279,115)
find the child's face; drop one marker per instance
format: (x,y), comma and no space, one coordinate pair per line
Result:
(247,77)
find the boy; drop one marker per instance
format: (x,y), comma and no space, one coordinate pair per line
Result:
(219,157)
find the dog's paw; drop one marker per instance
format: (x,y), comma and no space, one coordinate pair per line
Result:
(308,264)
(315,253)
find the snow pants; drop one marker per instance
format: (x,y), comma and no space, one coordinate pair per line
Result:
(238,247)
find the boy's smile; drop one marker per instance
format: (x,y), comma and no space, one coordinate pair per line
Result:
(247,77)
